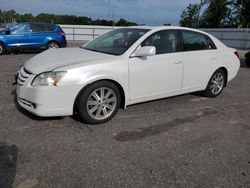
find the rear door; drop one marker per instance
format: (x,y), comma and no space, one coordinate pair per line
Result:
(199,59)
(38,34)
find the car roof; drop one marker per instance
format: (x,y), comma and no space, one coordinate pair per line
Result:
(43,23)
(158,28)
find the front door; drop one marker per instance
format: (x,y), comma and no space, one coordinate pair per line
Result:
(159,75)
(18,36)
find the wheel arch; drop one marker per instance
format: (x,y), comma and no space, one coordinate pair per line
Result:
(4,47)
(116,83)
(226,74)
(53,40)
(2,43)
(224,69)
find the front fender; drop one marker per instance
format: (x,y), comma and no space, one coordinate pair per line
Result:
(90,78)
(3,40)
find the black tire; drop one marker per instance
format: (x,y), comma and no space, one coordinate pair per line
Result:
(86,96)
(2,49)
(53,44)
(210,90)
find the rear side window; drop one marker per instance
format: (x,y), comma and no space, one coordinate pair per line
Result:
(164,41)
(193,41)
(36,27)
(49,27)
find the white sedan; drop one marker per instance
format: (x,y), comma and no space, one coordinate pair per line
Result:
(123,67)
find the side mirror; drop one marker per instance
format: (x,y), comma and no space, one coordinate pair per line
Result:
(7,32)
(144,51)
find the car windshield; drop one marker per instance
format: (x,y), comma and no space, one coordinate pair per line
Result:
(115,42)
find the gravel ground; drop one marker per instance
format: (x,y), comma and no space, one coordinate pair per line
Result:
(184,141)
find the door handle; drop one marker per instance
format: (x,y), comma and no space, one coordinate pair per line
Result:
(213,58)
(178,62)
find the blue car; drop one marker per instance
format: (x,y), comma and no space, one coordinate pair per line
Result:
(32,36)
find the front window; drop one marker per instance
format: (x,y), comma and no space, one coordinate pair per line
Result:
(18,28)
(164,41)
(115,42)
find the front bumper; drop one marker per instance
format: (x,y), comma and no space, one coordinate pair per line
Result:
(47,101)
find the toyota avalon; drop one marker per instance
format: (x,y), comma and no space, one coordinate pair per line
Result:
(123,67)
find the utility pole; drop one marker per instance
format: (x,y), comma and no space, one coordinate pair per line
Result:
(113,12)
(113,16)
(202,2)
(109,8)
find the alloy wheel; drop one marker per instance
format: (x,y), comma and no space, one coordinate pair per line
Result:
(101,103)
(217,83)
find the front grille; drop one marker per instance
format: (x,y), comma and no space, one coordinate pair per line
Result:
(27,103)
(23,75)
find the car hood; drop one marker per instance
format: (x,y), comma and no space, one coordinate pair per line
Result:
(56,58)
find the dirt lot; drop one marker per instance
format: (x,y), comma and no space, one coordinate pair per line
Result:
(184,141)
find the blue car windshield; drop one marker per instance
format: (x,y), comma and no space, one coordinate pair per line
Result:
(115,42)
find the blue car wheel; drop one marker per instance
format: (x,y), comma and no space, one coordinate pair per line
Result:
(53,45)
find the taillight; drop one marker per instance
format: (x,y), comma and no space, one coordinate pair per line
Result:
(62,33)
(237,54)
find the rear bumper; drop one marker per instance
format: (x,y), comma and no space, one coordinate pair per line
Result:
(232,72)
(64,45)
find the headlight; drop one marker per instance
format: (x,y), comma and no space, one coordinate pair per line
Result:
(48,79)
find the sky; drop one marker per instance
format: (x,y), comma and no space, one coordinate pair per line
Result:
(149,12)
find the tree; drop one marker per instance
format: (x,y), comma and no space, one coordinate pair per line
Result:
(123,22)
(240,12)
(11,15)
(216,14)
(190,16)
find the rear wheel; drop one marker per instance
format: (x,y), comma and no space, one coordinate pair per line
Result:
(2,49)
(99,102)
(215,84)
(53,45)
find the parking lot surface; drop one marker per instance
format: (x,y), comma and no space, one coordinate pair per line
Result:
(184,141)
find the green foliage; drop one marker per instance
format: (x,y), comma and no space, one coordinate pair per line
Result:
(123,22)
(240,14)
(11,15)
(217,13)
(190,16)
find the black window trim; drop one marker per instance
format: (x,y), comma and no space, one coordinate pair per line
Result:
(214,47)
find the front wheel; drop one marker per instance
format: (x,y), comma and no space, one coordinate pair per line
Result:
(215,84)
(2,49)
(99,102)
